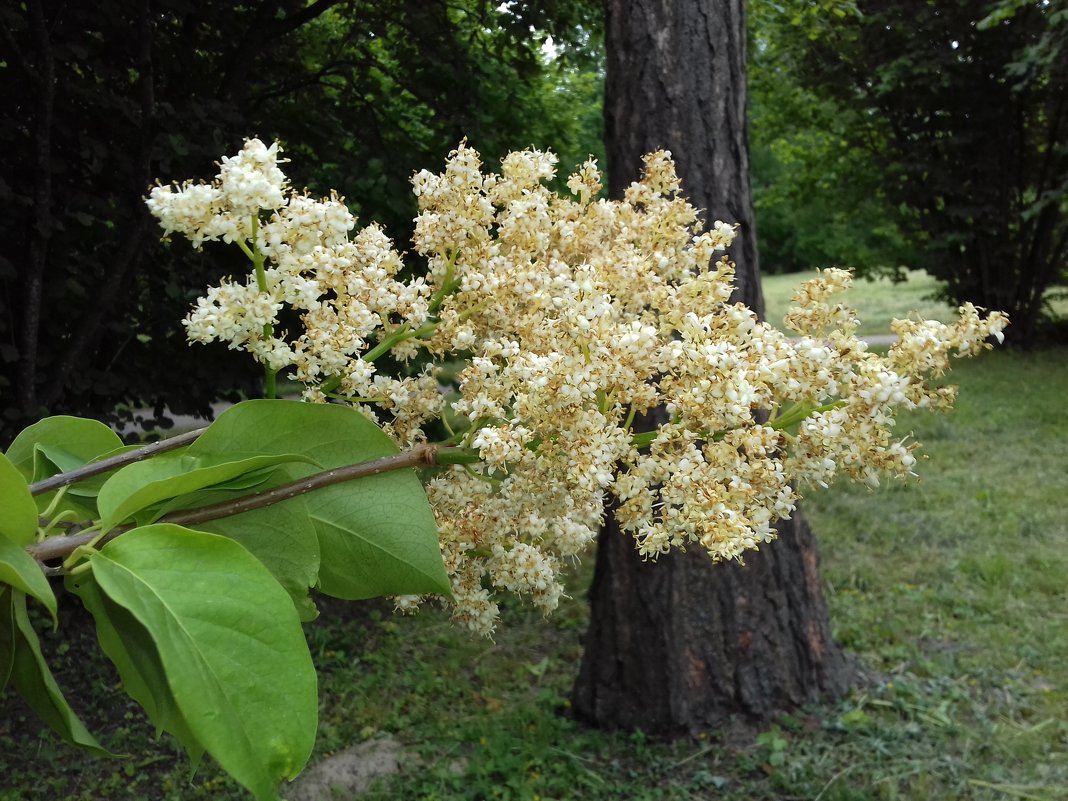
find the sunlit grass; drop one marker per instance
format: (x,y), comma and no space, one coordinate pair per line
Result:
(877,301)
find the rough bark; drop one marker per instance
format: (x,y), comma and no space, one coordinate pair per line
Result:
(675,79)
(682,644)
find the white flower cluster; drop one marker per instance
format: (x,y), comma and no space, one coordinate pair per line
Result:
(575,318)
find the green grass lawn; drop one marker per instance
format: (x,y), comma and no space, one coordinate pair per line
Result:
(879,301)
(876,302)
(951,591)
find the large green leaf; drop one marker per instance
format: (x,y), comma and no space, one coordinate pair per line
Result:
(18,511)
(379,538)
(281,535)
(142,484)
(57,444)
(35,683)
(283,538)
(129,646)
(230,645)
(22,572)
(377,535)
(79,437)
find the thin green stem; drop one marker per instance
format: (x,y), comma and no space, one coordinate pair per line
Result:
(51,508)
(246,250)
(448,427)
(383,347)
(448,285)
(402,334)
(800,411)
(86,549)
(473,310)
(496,482)
(258,261)
(52,523)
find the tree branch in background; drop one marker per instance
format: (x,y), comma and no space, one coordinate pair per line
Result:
(89,331)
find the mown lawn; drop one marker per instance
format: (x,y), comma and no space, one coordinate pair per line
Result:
(879,301)
(876,302)
(950,591)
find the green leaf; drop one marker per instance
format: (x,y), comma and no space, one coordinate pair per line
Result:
(80,437)
(230,645)
(62,459)
(379,538)
(281,535)
(22,572)
(283,538)
(50,460)
(259,480)
(130,647)
(377,535)
(18,511)
(57,444)
(142,484)
(35,683)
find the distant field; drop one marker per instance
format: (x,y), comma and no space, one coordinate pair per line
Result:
(877,302)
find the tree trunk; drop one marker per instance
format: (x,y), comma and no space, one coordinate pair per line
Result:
(675,79)
(681,644)
(44,76)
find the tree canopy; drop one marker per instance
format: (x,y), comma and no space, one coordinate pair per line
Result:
(104,98)
(819,197)
(963,107)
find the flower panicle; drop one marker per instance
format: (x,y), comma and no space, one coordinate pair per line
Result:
(553,330)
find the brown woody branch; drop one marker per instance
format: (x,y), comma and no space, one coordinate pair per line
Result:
(113,462)
(424,455)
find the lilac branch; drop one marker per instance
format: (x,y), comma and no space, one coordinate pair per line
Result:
(420,456)
(113,462)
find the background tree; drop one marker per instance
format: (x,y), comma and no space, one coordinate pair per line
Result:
(682,644)
(102,99)
(820,199)
(967,107)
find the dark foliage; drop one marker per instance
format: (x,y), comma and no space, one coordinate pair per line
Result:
(103,98)
(968,103)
